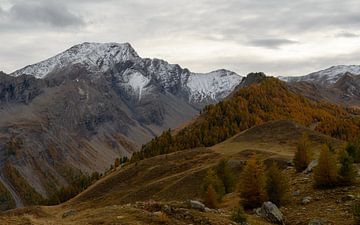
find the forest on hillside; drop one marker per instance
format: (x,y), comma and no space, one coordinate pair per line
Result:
(253,105)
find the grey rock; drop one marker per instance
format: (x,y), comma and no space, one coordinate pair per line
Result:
(316,221)
(271,213)
(296,193)
(69,213)
(196,205)
(348,198)
(311,166)
(306,200)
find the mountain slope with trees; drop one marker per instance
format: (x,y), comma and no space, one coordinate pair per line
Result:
(270,99)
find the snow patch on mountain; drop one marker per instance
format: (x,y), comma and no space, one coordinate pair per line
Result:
(96,56)
(214,85)
(138,83)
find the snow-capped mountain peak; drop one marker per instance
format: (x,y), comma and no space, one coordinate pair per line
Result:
(96,56)
(136,77)
(212,86)
(328,76)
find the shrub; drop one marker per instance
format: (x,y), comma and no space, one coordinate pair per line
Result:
(226,175)
(303,155)
(347,170)
(325,174)
(253,184)
(239,215)
(277,185)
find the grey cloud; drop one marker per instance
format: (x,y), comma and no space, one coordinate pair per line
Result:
(347,35)
(44,12)
(272,43)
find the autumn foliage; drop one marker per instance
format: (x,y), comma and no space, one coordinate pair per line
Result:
(325,174)
(250,106)
(277,185)
(253,184)
(303,155)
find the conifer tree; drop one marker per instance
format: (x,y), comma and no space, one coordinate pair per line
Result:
(213,180)
(226,175)
(253,184)
(303,155)
(325,174)
(353,149)
(277,185)
(347,170)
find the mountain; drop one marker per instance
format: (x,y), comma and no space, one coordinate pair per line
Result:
(134,74)
(79,110)
(337,84)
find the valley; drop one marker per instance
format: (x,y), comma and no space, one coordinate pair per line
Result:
(68,123)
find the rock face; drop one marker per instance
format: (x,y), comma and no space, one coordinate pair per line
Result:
(271,213)
(82,108)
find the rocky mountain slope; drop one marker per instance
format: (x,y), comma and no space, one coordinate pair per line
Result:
(81,109)
(337,84)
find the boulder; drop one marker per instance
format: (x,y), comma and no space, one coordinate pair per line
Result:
(270,212)
(311,166)
(348,198)
(306,200)
(69,213)
(316,221)
(196,205)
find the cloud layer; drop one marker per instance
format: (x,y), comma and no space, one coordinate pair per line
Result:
(279,37)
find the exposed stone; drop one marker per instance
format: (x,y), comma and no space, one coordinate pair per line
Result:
(296,193)
(316,221)
(348,198)
(271,213)
(69,213)
(306,200)
(196,205)
(311,166)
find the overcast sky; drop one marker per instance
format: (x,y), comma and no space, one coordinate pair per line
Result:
(278,37)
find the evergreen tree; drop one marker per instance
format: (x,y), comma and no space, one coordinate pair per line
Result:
(213,180)
(303,155)
(353,149)
(277,185)
(253,184)
(325,174)
(226,175)
(347,170)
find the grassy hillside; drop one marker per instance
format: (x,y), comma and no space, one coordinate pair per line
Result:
(254,105)
(125,196)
